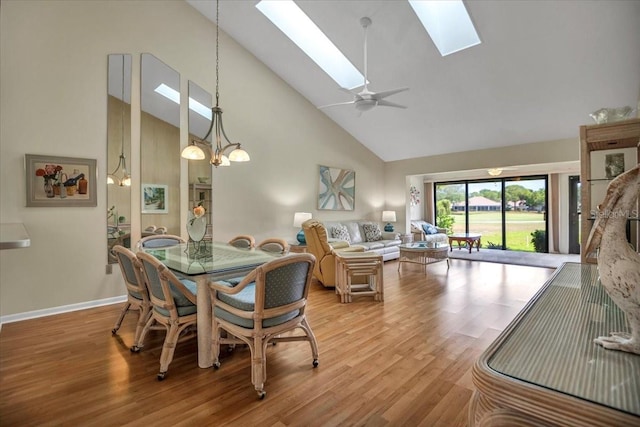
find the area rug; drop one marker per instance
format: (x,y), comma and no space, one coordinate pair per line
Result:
(533,259)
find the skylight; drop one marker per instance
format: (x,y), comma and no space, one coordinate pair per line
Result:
(296,25)
(174,96)
(447,23)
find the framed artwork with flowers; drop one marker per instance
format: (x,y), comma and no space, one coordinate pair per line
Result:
(53,181)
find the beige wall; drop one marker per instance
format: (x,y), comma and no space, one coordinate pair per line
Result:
(53,80)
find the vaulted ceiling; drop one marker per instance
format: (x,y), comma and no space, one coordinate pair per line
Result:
(541,68)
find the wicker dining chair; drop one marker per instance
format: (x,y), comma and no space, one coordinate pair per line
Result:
(243,241)
(159,241)
(274,244)
(173,306)
(268,302)
(137,293)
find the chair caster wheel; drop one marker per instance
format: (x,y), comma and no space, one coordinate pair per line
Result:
(315,363)
(161,376)
(135,349)
(261,394)
(216,365)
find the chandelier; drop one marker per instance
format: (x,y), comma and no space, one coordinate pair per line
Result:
(217,156)
(112,178)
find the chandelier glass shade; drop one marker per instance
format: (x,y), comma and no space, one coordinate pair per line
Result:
(216,154)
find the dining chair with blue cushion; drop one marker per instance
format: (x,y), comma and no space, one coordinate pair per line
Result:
(137,293)
(243,241)
(274,244)
(173,306)
(159,241)
(269,301)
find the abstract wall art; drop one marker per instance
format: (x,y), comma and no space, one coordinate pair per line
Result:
(336,189)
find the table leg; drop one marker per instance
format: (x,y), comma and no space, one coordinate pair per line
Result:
(478,245)
(470,244)
(205,358)
(451,245)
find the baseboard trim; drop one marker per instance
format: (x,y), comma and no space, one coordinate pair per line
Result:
(59,310)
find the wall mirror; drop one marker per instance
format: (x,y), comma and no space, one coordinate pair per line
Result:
(118,152)
(159,147)
(200,173)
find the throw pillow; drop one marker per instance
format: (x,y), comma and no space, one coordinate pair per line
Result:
(372,232)
(340,233)
(429,229)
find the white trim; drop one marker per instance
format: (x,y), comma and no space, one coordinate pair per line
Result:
(59,310)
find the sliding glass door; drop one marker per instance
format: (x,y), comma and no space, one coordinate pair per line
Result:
(510,213)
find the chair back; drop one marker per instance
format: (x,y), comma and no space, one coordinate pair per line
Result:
(271,295)
(159,241)
(131,272)
(318,244)
(170,296)
(150,229)
(275,245)
(243,241)
(160,230)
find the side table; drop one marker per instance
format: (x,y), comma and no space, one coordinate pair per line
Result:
(297,248)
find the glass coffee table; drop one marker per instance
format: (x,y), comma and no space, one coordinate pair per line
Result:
(423,253)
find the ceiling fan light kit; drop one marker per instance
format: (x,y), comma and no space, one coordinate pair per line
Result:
(366,100)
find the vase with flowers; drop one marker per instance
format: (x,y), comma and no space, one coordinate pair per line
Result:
(197,223)
(50,174)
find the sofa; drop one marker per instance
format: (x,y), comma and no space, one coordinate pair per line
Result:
(367,234)
(419,234)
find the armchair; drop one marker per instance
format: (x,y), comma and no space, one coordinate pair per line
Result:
(318,245)
(268,302)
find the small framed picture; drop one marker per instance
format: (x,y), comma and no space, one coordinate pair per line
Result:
(53,181)
(155,199)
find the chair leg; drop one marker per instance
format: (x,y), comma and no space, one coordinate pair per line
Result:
(258,363)
(143,318)
(168,348)
(137,346)
(215,343)
(124,311)
(304,325)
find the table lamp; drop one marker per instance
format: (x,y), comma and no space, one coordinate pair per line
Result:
(298,219)
(388,217)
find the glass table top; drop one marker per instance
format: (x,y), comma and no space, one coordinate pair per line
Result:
(425,245)
(552,344)
(210,257)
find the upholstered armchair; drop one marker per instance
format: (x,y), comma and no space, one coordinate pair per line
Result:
(318,245)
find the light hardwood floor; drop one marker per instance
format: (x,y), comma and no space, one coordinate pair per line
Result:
(406,361)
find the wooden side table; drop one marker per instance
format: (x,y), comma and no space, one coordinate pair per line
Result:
(470,239)
(350,265)
(545,369)
(297,248)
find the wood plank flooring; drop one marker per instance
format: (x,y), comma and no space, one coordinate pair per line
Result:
(406,361)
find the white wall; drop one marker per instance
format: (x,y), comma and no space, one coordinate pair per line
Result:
(53,80)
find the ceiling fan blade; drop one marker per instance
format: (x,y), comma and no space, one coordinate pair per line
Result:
(339,103)
(380,95)
(386,103)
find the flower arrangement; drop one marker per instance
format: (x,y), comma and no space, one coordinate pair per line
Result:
(49,173)
(198,211)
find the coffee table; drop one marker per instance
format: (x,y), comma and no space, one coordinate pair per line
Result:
(469,238)
(423,253)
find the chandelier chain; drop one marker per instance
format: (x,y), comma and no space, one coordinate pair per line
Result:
(217,54)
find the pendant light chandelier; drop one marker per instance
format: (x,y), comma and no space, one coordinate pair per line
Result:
(112,178)
(217,155)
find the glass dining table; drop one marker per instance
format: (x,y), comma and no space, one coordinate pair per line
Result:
(204,262)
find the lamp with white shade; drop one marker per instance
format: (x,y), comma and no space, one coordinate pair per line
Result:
(388,217)
(298,219)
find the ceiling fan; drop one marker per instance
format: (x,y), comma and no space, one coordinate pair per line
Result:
(366,100)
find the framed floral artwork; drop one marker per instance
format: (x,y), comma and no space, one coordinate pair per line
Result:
(155,199)
(336,189)
(53,181)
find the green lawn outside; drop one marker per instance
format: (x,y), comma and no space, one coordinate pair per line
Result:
(519,226)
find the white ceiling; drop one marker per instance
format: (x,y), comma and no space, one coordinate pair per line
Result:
(541,68)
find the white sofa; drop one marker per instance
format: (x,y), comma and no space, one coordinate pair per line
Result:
(420,236)
(387,246)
